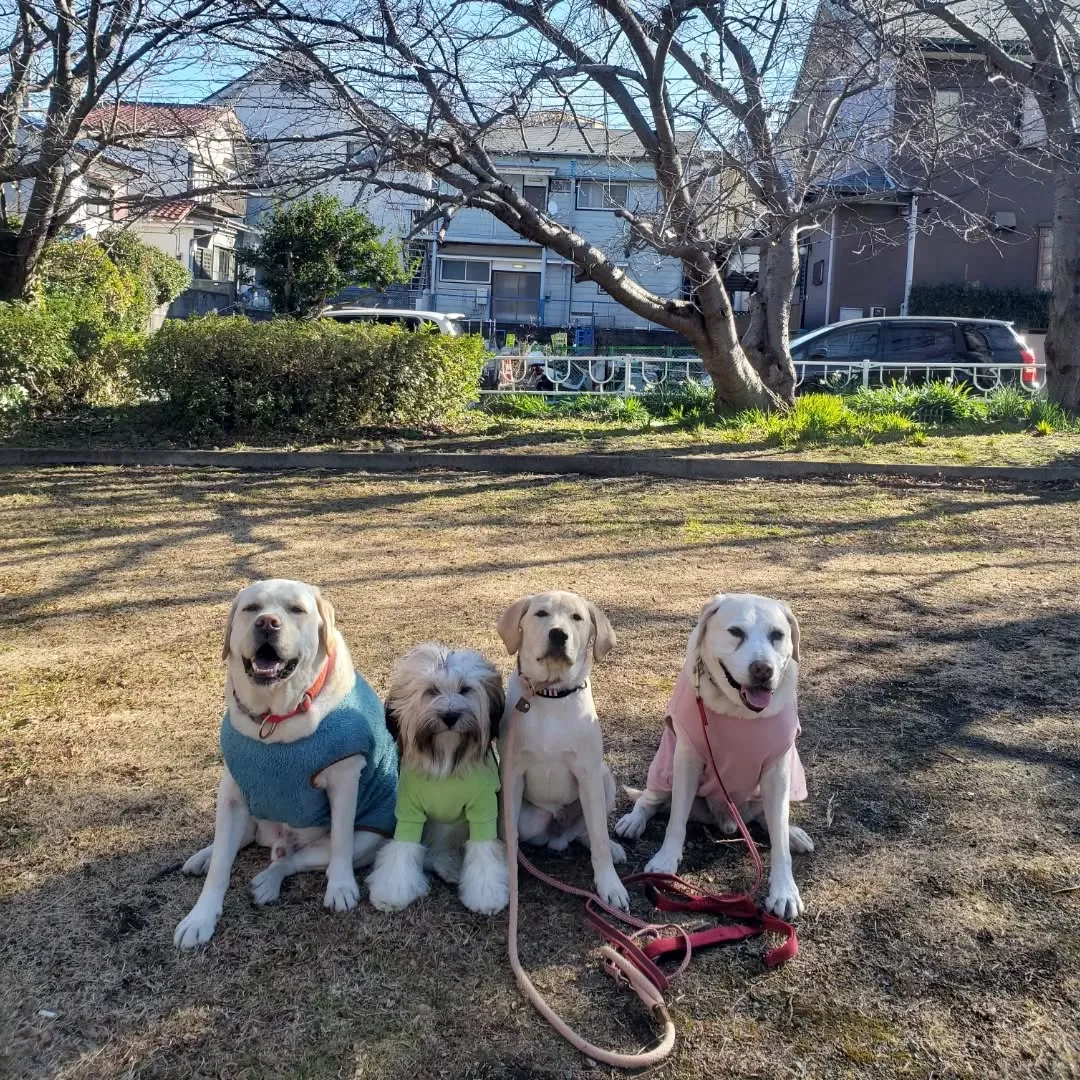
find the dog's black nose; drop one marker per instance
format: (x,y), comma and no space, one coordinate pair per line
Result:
(450,718)
(268,622)
(557,636)
(761,672)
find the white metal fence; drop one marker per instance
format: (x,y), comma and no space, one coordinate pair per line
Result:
(626,376)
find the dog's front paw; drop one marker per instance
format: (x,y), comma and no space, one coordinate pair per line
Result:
(784,900)
(342,893)
(485,887)
(631,825)
(199,863)
(197,928)
(800,842)
(398,878)
(612,891)
(664,861)
(266,886)
(618,854)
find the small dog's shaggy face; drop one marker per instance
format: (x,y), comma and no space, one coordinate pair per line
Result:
(444,708)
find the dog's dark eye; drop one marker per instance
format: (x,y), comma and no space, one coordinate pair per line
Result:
(465,690)
(296,609)
(737,633)
(776,636)
(576,617)
(252,607)
(541,614)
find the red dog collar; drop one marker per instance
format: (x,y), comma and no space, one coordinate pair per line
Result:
(269,720)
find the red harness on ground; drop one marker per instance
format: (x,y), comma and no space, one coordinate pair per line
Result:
(648,942)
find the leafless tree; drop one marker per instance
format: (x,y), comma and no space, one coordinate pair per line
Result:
(1034,47)
(68,63)
(738,131)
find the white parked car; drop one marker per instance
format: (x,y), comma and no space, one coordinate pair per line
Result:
(407,317)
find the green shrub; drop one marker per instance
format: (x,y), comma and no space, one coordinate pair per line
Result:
(929,403)
(687,402)
(227,375)
(34,352)
(1008,404)
(1028,308)
(521,406)
(1046,416)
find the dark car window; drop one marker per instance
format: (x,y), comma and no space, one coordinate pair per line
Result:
(919,344)
(848,343)
(991,341)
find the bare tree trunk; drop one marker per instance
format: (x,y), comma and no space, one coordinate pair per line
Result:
(19,263)
(766,339)
(1063,337)
(18,266)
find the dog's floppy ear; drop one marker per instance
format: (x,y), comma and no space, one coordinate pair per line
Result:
(329,620)
(712,606)
(392,724)
(226,648)
(493,687)
(794,624)
(509,624)
(604,636)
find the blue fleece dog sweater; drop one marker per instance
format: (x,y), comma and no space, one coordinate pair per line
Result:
(277,779)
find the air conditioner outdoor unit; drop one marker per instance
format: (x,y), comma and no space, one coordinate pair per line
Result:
(1004,219)
(877,313)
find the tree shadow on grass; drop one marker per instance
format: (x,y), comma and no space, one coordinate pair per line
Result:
(905,907)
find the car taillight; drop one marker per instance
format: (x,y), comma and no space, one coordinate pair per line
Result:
(1029,373)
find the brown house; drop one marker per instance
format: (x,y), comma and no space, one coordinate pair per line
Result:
(981,202)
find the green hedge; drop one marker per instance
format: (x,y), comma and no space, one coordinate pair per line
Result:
(52,362)
(1028,308)
(221,375)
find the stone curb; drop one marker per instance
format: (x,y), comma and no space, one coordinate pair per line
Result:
(603,465)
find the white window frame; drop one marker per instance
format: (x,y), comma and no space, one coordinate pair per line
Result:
(610,203)
(443,260)
(948,103)
(1032,124)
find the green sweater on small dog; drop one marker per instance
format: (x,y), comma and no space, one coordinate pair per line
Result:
(472,795)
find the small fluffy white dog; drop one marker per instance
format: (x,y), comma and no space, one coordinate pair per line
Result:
(310,768)
(560,788)
(744,657)
(444,708)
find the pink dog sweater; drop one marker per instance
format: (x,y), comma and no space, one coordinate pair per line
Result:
(742,747)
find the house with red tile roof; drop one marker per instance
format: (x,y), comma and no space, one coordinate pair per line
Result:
(186,195)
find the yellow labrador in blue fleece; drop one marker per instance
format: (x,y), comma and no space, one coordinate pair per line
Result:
(310,768)
(444,708)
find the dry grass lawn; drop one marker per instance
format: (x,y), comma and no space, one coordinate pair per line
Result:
(940,710)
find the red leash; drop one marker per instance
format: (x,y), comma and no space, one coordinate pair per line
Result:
(650,941)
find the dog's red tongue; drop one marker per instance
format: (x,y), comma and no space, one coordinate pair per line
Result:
(757,697)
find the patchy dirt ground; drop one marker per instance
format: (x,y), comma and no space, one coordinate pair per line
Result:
(940,712)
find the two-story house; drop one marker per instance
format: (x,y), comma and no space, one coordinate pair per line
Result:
(186,162)
(951,193)
(580,173)
(97,184)
(303,141)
